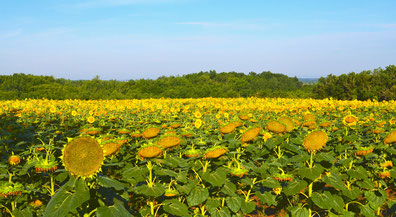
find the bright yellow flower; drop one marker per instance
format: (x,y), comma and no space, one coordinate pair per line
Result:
(198,123)
(91,119)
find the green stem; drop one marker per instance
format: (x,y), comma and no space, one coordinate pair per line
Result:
(52,185)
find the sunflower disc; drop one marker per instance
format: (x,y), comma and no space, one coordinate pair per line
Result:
(229,128)
(315,141)
(391,138)
(276,127)
(250,135)
(169,141)
(151,132)
(288,122)
(83,157)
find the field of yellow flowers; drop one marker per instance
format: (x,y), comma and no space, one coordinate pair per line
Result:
(197,157)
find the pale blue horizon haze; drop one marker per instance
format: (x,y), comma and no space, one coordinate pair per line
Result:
(133,39)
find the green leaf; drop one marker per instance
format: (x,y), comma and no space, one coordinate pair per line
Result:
(267,198)
(229,188)
(368,184)
(338,203)
(310,173)
(212,204)
(110,183)
(376,198)
(299,212)
(294,187)
(234,203)
(358,173)
(68,199)
(155,191)
(352,193)
(197,196)
(27,212)
(367,211)
(322,200)
(335,181)
(116,210)
(175,207)
(248,207)
(270,183)
(216,178)
(324,157)
(223,212)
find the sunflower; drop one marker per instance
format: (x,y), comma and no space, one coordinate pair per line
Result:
(198,123)
(215,152)
(276,127)
(239,172)
(46,166)
(350,120)
(169,141)
(151,132)
(14,160)
(390,138)
(229,128)
(288,122)
(149,151)
(315,141)
(83,157)
(361,151)
(192,153)
(110,147)
(9,189)
(250,134)
(91,119)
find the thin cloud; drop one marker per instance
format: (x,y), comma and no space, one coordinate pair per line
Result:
(114,3)
(228,25)
(10,34)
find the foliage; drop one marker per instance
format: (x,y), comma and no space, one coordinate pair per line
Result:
(272,174)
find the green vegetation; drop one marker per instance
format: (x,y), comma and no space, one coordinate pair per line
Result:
(379,84)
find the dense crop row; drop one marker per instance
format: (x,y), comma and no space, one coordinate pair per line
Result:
(197,157)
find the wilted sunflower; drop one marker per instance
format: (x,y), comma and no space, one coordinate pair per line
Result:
(315,141)
(110,147)
(229,128)
(83,157)
(46,166)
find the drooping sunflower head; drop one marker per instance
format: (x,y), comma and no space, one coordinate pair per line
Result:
(315,141)
(83,157)
(46,166)
(151,132)
(149,150)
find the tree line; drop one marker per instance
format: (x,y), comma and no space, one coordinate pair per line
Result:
(379,84)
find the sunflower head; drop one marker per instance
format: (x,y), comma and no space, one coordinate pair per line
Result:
(276,127)
(83,157)
(250,134)
(215,152)
(350,120)
(14,160)
(46,166)
(288,122)
(149,151)
(390,138)
(315,141)
(169,141)
(151,132)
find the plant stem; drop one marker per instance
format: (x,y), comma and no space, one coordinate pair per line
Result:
(52,193)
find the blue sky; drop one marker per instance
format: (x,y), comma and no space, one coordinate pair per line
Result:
(132,39)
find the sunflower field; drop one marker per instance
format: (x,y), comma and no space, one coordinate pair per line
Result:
(197,157)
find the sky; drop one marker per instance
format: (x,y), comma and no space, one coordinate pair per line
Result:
(134,39)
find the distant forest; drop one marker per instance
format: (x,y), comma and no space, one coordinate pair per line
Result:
(379,84)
